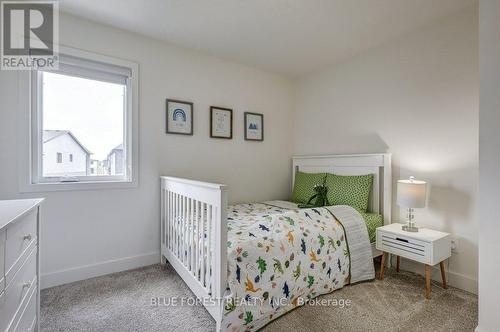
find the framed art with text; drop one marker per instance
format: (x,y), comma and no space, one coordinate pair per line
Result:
(221,122)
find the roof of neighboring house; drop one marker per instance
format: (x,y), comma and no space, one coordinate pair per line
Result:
(116,148)
(49,135)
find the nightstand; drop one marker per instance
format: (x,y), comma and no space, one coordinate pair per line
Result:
(425,246)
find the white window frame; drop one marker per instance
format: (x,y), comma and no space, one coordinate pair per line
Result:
(31,179)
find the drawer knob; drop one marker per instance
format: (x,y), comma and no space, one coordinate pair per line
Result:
(27,237)
(27,284)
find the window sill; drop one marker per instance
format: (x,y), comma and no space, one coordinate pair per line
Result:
(76,186)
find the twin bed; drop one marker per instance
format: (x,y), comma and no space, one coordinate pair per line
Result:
(251,263)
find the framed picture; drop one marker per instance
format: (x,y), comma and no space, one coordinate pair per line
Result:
(179,117)
(254,126)
(221,122)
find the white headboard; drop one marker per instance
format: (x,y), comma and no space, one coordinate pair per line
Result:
(356,164)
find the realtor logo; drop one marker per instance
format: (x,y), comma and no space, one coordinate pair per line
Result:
(29,35)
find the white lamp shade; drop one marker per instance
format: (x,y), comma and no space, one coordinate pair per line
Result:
(411,193)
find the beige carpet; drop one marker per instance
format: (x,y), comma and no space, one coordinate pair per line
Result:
(122,302)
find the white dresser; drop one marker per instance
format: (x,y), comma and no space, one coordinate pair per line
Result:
(19,265)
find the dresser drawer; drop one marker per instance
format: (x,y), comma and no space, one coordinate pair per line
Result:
(403,246)
(2,303)
(23,283)
(2,257)
(20,236)
(27,319)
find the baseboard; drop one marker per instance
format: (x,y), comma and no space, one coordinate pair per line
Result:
(455,279)
(61,277)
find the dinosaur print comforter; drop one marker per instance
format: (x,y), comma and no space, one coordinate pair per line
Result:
(278,258)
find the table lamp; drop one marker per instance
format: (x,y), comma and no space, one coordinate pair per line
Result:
(411,194)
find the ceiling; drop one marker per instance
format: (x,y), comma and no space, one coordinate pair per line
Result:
(290,37)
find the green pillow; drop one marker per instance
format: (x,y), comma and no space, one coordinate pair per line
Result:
(352,190)
(304,184)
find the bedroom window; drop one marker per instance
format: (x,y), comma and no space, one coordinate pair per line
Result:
(87,111)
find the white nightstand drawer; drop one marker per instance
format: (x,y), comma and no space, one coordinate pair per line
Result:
(425,246)
(404,246)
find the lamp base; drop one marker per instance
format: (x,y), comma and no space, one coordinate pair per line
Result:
(412,229)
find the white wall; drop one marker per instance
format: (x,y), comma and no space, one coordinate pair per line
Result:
(489,161)
(416,97)
(85,233)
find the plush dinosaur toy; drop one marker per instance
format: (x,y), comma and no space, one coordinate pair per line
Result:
(320,198)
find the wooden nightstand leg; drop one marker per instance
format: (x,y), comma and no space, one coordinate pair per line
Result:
(382,265)
(427,281)
(443,275)
(397,263)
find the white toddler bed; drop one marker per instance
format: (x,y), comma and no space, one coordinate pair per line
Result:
(194,222)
